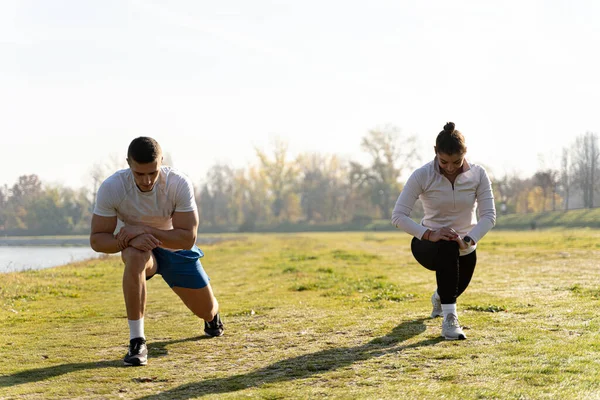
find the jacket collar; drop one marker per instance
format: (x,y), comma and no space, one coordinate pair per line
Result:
(436,165)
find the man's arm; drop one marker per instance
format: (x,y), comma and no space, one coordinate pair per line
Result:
(182,236)
(102,239)
(184,232)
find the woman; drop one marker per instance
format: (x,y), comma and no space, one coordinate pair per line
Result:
(451,190)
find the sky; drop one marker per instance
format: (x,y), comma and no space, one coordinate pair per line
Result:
(213,81)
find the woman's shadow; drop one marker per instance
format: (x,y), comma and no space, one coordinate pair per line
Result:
(306,365)
(285,370)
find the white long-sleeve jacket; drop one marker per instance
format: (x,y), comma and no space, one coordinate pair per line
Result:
(445,204)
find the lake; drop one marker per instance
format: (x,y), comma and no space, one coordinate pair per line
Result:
(22,253)
(19,258)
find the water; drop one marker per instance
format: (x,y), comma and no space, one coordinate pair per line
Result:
(19,258)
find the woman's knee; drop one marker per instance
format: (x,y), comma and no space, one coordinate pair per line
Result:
(448,248)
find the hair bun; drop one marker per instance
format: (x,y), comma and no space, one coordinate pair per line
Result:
(449,127)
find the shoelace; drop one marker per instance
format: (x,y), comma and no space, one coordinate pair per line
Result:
(452,320)
(135,349)
(215,323)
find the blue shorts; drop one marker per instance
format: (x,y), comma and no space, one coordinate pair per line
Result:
(181,268)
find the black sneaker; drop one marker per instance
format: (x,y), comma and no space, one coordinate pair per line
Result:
(137,354)
(214,327)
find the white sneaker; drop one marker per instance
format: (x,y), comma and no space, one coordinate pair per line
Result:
(451,330)
(437,305)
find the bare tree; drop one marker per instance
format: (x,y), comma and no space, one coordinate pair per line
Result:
(391,154)
(585,165)
(565,178)
(100,171)
(221,185)
(321,187)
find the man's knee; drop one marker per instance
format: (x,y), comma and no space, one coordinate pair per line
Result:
(208,315)
(206,310)
(134,259)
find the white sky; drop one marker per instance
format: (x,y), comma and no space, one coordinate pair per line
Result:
(213,80)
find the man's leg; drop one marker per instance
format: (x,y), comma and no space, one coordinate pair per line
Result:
(203,304)
(138,265)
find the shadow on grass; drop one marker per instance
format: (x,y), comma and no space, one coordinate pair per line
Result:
(285,370)
(157,349)
(304,366)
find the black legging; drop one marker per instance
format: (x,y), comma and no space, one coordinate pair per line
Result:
(452,272)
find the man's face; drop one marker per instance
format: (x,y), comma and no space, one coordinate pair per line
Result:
(145,175)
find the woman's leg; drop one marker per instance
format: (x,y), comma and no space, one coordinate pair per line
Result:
(447,271)
(453,274)
(441,257)
(466,267)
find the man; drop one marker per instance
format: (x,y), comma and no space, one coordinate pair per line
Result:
(157,207)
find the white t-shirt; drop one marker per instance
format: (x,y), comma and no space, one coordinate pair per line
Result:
(119,196)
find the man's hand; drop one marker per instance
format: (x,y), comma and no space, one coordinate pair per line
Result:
(127,233)
(145,242)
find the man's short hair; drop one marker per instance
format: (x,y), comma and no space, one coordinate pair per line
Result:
(144,150)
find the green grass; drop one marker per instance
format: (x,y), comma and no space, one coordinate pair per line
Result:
(317,315)
(550,219)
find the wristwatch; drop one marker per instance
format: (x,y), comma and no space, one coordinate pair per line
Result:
(468,240)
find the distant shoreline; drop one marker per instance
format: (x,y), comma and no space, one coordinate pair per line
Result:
(72,241)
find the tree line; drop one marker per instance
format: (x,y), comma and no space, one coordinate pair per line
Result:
(311,189)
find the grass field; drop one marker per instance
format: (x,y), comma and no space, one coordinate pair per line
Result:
(317,315)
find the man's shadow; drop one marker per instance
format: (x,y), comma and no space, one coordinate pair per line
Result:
(306,365)
(285,370)
(157,349)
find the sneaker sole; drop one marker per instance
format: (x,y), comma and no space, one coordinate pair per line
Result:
(211,335)
(134,364)
(460,337)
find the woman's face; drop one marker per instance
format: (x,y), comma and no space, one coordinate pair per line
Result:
(450,165)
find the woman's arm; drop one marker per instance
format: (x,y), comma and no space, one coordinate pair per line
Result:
(404,205)
(487,208)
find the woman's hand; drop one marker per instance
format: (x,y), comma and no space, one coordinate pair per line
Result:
(461,243)
(444,233)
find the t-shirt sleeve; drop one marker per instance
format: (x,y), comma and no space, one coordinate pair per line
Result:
(106,200)
(185,200)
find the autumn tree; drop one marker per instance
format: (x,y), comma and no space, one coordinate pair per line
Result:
(281,177)
(391,153)
(547,181)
